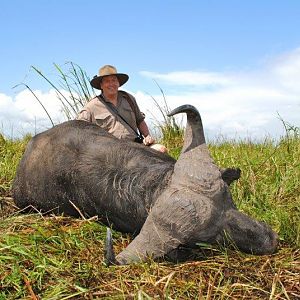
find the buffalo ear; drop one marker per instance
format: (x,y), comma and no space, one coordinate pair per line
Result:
(230,174)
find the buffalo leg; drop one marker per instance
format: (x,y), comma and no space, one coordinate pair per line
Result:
(168,225)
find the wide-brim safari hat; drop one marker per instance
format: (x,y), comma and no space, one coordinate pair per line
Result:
(108,70)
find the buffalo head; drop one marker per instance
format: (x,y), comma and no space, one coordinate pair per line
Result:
(196,207)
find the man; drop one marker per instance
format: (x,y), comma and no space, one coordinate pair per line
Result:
(115,110)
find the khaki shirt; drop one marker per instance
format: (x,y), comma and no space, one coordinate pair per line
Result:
(96,111)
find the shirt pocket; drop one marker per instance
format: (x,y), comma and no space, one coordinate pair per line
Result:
(105,120)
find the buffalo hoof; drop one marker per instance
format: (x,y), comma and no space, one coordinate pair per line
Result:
(109,251)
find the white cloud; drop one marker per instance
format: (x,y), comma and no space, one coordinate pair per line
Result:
(191,78)
(286,71)
(243,104)
(24,114)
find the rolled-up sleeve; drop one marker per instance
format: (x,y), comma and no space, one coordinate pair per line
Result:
(85,115)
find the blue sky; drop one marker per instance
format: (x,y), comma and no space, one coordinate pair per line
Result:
(238,62)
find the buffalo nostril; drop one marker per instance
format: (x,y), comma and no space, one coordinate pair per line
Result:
(271,243)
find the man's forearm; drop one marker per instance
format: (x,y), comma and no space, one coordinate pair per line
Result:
(143,128)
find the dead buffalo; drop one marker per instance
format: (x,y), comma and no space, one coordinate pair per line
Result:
(165,203)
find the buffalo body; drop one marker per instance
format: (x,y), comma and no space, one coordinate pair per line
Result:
(78,167)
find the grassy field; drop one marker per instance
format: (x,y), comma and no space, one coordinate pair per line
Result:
(56,257)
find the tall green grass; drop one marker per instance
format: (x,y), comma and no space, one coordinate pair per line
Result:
(269,188)
(10,154)
(170,133)
(73,79)
(71,86)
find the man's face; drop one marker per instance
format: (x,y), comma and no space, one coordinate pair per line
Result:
(110,85)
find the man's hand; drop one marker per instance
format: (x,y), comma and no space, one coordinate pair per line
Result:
(148,140)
